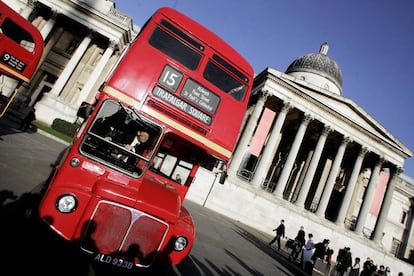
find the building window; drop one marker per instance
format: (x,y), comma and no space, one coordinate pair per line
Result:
(395,246)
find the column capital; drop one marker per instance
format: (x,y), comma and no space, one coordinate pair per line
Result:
(286,106)
(346,140)
(363,151)
(307,118)
(112,44)
(264,93)
(380,161)
(326,130)
(33,3)
(91,34)
(398,171)
(54,14)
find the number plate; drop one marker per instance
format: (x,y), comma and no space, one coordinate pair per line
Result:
(115,261)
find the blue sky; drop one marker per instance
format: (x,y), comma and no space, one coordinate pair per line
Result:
(372,41)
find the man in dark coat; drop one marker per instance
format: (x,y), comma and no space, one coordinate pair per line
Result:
(321,250)
(298,244)
(343,261)
(280,232)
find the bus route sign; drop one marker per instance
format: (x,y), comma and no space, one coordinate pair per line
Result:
(200,96)
(182,105)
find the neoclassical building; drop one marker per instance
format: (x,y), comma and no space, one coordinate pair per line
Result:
(83,39)
(306,153)
(311,156)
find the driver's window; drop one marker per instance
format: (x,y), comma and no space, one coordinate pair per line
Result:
(121,138)
(122,126)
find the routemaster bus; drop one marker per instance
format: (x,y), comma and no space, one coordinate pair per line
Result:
(187,90)
(21,48)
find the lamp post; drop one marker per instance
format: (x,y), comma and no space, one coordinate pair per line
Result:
(211,188)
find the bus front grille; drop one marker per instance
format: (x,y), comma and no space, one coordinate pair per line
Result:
(124,233)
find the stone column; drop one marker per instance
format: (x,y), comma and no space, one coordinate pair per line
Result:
(70,67)
(247,134)
(290,161)
(369,196)
(83,94)
(330,182)
(271,147)
(351,186)
(408,229)
(310,173)
(385,208)
(45,31)
(27,11)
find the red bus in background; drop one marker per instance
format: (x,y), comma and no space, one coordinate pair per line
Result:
(21,48)
(188,90)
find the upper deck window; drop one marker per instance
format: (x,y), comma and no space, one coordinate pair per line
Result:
(174,48)
(215,71)
(220,78)
(17,34)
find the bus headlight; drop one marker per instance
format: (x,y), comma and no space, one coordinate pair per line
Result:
(74,162)
(180,243)
(66,203)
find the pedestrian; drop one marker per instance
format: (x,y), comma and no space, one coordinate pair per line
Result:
(343,261)
(308,252)
(321,250)
(321,256)
(28,119)
(280,233)
(354,271)
(388,271)
(380,271)
(366,267)
(299,242)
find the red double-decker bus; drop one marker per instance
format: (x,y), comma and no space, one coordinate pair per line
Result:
(180,92)
(21,48)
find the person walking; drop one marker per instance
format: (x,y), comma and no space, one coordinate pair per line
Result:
(308,252)
(28,119)
(298,244)
(321,258)
(280,232)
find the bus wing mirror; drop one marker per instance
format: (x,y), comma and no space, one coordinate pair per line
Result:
(85,110)
(222,178)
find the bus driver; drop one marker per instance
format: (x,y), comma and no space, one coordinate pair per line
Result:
(139,142)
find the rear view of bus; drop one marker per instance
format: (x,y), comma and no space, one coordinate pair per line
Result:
(187,90)
(21,47)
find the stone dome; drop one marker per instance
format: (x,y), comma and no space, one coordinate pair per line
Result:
(319,64)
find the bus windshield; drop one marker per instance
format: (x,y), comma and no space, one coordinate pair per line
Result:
(121,139)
